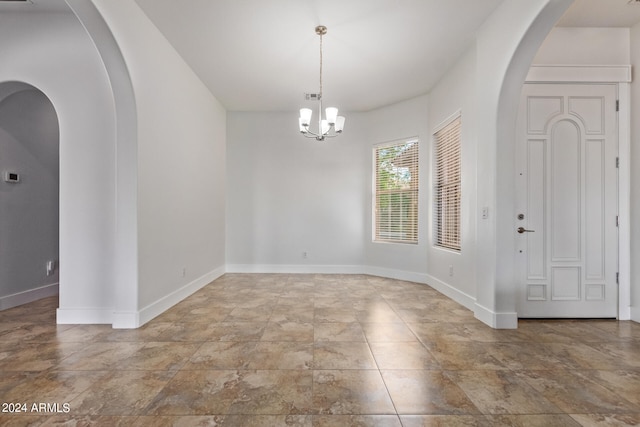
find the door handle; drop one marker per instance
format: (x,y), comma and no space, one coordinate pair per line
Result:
(523,230)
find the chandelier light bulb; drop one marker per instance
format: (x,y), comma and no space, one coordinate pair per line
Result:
(332,115)
(305,116)
(303,127)
(326,127)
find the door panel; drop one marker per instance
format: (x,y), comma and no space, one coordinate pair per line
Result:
(567,194)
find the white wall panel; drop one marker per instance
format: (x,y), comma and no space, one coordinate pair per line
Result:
(536,209)
(591,107)
(565,192)
(594,209)
(541,109)
(565,284)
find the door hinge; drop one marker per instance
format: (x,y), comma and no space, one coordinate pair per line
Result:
(618,162)
(617,105)
(618,278)
(617,221)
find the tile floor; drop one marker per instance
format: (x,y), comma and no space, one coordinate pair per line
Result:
(317,350)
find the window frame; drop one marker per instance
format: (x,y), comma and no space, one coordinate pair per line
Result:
(413,192)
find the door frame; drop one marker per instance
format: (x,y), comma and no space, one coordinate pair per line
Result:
(621,76)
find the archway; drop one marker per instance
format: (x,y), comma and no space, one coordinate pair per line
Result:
(506,46)
(506,128)
(612,70)
(29,195)
(53,52)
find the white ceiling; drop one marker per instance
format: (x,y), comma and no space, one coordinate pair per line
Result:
(41,6)
(259,55)
(263,55)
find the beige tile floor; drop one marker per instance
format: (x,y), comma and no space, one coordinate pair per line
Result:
(317,350)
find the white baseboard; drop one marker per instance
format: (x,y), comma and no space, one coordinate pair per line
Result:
(130,320)
(410,276)
(624,313)
(294,269)
(390,273)
(135,319)
(635,314)
(126,320)
(449,291)
(327,269)
(455,294)
(28,296)
(84,316)
(496,320)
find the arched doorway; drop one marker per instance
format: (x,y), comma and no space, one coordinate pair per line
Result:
(506,212)
(29,195)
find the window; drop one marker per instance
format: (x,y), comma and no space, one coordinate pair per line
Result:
(396,192)
(447,186)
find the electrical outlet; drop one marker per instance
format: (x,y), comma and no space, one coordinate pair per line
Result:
(184,271)
(305,255)
(451,270)
(51,267)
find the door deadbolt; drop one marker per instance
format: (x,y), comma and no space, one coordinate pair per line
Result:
(520,217)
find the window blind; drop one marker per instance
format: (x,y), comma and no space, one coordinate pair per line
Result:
(396,192)
(447,190)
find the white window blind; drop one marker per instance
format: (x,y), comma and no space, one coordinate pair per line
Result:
(447,186)
(396,192)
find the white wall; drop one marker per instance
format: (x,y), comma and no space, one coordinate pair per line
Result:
(584,46)
(635,175)
(29,146)
(288,195)
(456,92)
(176,153)
(181,165)
(403,120)
(53,53)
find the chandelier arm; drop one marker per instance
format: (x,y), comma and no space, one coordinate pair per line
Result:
(330,135)
(310,134)
(315,136)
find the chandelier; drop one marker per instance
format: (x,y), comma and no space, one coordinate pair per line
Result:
(333,124)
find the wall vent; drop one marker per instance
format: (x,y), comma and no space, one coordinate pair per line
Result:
(311,96)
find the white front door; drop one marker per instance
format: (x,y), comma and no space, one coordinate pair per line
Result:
(566,180)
